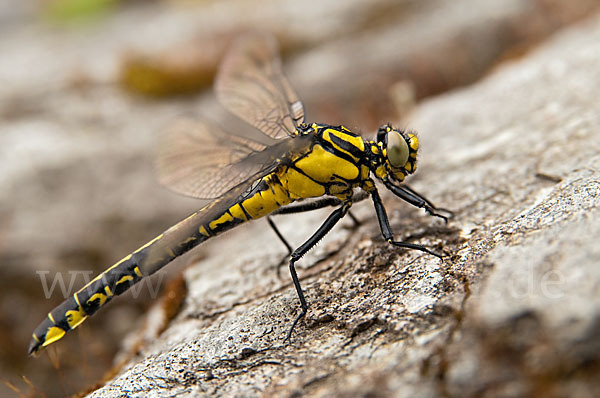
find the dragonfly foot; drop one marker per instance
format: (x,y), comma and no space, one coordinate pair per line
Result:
(300,316)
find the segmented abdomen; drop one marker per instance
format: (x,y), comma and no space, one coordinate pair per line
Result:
(230,210)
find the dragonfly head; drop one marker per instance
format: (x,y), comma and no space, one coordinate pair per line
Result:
(398,149)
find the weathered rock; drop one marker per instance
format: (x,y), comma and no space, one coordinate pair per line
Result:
(78,190)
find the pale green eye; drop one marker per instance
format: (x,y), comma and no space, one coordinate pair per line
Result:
(397,149)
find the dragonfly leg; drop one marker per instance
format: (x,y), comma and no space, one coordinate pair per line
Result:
(386,231)
(298,208)
(279,235)
(427,201)
(293,209)
(355,220)
(318,204)
(416,199)
(284,241)
(333,218)
(309,206)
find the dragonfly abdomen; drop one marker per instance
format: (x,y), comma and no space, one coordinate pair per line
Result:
(74,310)
(264,196)
(98,292)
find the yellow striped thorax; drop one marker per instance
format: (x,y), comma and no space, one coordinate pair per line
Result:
(341,159)
(333,164)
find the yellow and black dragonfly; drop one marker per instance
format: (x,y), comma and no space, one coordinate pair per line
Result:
(314,165)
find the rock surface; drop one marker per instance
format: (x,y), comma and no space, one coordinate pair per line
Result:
(513,310)
(78,193)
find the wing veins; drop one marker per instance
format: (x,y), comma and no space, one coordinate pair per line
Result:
(252,85)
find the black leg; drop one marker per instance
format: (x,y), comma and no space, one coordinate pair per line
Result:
(355,220)
(279,235)
(285,242)
(318,204)
(414,199)
(427,201)
(309,206)
(386,231)
(333,218)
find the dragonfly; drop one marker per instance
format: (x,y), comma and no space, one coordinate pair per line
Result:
(294,167)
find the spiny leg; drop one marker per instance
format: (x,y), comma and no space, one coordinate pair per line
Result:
(386,231)
(309,206)
(415,199)
(427,201)
(333,218)
(298,208)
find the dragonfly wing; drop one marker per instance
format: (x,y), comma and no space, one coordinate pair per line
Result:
(198,159)
(251,84)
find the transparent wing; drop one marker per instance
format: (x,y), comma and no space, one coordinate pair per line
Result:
(251,84)
(198,159)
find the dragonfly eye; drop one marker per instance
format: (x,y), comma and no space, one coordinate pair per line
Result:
(397,149)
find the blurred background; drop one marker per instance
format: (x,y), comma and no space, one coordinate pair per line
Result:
(86,86)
